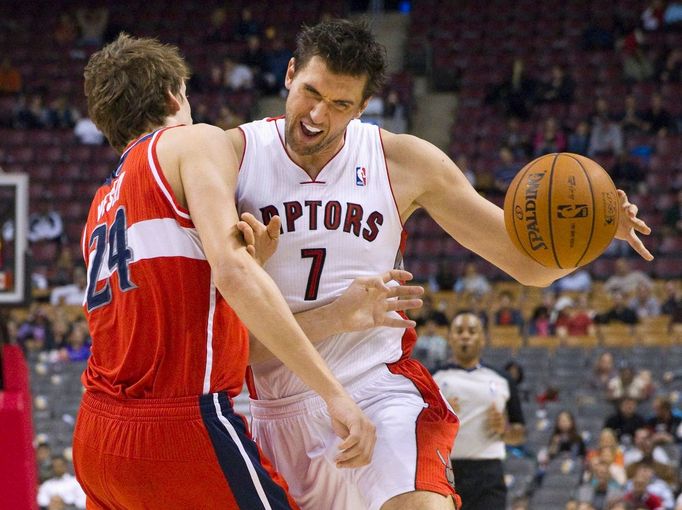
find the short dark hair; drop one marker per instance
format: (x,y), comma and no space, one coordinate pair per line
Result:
(126,83)
(347,47)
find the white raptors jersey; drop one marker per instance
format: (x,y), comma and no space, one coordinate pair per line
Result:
(335,228)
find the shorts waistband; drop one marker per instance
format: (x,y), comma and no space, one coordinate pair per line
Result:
(150,409)
(310,401)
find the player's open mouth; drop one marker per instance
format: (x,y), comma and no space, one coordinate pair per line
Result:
(310,131)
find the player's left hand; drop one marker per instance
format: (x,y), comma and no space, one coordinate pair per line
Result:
(496,421)
(261,241)
(629,224)
(367,302)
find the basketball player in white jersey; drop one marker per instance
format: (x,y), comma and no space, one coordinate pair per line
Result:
(343,190)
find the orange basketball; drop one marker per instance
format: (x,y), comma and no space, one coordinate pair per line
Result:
(561,210)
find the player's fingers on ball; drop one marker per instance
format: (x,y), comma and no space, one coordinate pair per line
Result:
(641,227)
(633,210)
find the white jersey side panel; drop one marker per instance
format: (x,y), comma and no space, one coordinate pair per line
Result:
(342,225)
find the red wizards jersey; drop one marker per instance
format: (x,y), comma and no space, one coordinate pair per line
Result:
(159,326)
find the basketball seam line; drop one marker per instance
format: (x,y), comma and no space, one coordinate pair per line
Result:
(594,210)
(549,210)
(516,230)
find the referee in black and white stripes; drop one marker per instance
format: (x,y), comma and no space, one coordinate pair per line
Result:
(489,409)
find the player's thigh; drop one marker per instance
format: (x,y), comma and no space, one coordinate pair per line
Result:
(419,500)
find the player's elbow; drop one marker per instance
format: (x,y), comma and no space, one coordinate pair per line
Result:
(230,273)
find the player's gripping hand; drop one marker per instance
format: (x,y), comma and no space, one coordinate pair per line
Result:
(261,241)
(629,224)
(357,432)
(369,302)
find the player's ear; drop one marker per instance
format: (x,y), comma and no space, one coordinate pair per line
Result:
(291,71)
(172,102)
(363,106)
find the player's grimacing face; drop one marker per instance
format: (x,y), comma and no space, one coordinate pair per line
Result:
(319,106)
(466,337)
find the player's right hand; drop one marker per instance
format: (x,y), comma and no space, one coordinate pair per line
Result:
(357,432)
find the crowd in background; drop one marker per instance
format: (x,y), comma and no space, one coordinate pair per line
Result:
(636,458)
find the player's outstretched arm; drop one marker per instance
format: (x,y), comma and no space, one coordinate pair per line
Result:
(206,182)
(423,176)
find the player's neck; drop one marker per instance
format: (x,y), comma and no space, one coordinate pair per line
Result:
(468,364)
(314,163)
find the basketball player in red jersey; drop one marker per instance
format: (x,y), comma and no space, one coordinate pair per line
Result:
(169,284)
(338,186)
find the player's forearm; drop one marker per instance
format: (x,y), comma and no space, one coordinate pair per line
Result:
(259,304)
(317,324)
(514,435)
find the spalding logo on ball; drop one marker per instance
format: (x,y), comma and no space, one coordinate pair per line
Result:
(561,210)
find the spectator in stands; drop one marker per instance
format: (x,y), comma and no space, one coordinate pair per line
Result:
(559,88)
(463,164)
(44,461)
(35,333)
(431,348)
(445,277)
(599,34)
(236,76)
(395,116)
(630,383)
(549,139)
(657,119)
(603,371)
(671,66)
(601,487)
(247,26)
(652,16)
(490,412)
(637,66)
(577,281)
(10,77)
(517,94)
(565,438)
(92,22)
(45,224)
(516,140)
(56,503)
(71,294)
(77,342)
(673,304)
(626,420)
(642,447)
(626,280)
(228,118)
(664,423)
(515,372)
(61,115)
(574,320)
(645,303)
(66,31)
(276,61)
(672,217)
(62,484)
(631,119)
(429,313)
(218,31)
(254,58)
(472,281)
(606,137)
(609,440)
(87,133)
(541,322)
(627,172)
(506,169)
(579,140)
(29,113)
(506,314)
(639,497)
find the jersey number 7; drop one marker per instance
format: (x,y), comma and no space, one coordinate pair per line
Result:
(318,255)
